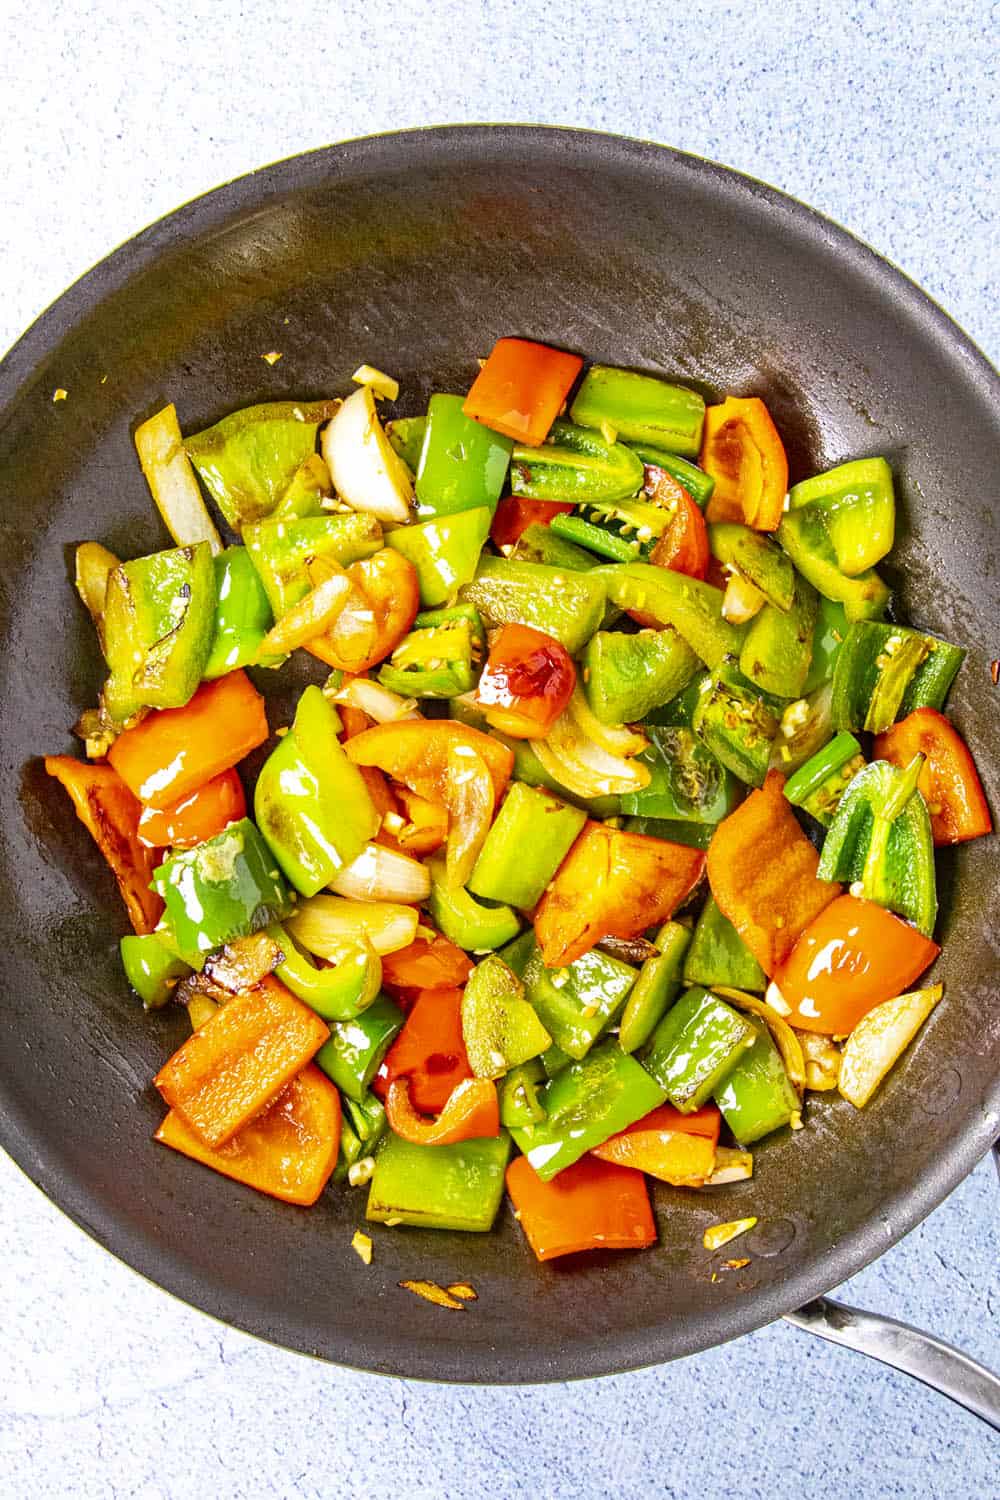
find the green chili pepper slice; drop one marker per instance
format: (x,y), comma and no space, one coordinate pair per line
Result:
(818,786)
(756,558)
(606,544)
(642,408)
(828,636)
(699,485)
(540,544)
(439,1187)
(656,988)
(441,656)
(575,464)
(693,835)
(885,671)
(738,723)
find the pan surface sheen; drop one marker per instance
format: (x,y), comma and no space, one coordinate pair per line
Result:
(414,252)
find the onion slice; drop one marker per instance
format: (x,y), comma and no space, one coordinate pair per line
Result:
(879,1039)
(378,702)
(470,803)
(172,481)
(366,470)
(312,616)
(380,874)
(324,925)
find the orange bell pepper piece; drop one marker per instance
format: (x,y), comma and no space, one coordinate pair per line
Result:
(850,958)
(426,828)
(612,884)
(429,1051)
(471,1111)
(111,814)
(381,608)
(515,514)
(762,871)
(592,1205)
(521,389)
(683,547)
(176,750)
(949,781)
(235,1064)
(289,1150)
(198,816)
(427,964)
(742,451)
(672,1147)
(354,720)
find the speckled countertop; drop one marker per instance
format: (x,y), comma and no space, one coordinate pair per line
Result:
(883,115)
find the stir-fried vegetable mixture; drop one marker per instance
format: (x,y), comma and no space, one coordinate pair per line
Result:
(604,835)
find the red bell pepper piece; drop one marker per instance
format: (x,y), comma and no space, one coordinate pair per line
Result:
(592,1205)
(675,1148)
(612,884)
(521,389)
(471,1111)
(176,750)
(683,547)
(234,1065)
(762,871)
(429,1051)
(515,514)
(110,814)
(850,958)
(198,816)
(742,451)
(427,964)
(528,680)
(289,1150)
(949,782)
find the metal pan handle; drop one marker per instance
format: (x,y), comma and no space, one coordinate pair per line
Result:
(939,1365)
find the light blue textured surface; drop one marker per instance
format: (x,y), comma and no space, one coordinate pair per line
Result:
(885,117)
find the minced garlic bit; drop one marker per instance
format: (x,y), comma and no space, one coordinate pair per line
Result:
(737,1265)
(271,358)
(381,384)
(361,1244)
(359,1173)
(59,394)
(720,1234)
(463,1290)
(857,889)
(431,1292)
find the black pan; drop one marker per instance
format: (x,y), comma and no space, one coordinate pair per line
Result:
(415,251)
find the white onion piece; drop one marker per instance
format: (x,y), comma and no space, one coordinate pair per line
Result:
(380,874)
(324,924)
(366,470)
(172,481)
(378,702)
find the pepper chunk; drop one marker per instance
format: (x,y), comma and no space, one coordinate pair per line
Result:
(569,606)
(777,649)
(884,671)
(575,464)
(612,884)
(641,408)
(433,963)
(465,921)
(444,551)
(151,969)
(757,1096)
(528,680)
(858,506)
(756,558)
(625,676)
(439,1187)
(281,551)
(242,616)
(592,1205)
(580,1000)
(527,843)
(429,1051)
(718,955)
(462,464)
(737,722)
(199,816)
(521,388)
(694,1047)
(234,1065)
(687,784)
(667,1152)
(850,958)
(159,619)
(357,1047)
(110,813)
(658,597)
(500,1028)
(248,460)
(656,988)
(742,451)
(804,536)
(762,871)
(587,1102)
(288,1151)
(471,1112)
(337,993)
(440,657)
(948,781)
(683,544)
(174,752)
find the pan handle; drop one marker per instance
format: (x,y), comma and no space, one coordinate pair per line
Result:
(939,1365)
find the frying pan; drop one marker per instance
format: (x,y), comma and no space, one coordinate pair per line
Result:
(415,251)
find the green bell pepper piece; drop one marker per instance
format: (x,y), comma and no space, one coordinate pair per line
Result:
(828,636)
(692,607)
(517,954)
(151,969)
(718,955)
(499,1027)
(444,551)
(226,888)
(568,606)
(699,485)
(521,1095)
(310,486)
(310,801)
(586,1103)
(441,656)
(884,672)
(693,835)
(578,1002)
(159,619)
(248,460)
(656,988)
(462,464)
(281,551)
(738,723)
(756,558)
(476,928)
(642,408)
(881,836)
(524,848)
(354,1053)
(606,544)
(857,503)
(540,544)
(695,1045)
(687,782)
(575,464)
(777,648)
(406,434)
(349,1152)
(818,786)
(439,1187)
(337,993)
(554,1061)
(625,676)
(757,1096)
(804,536)
(242,616)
